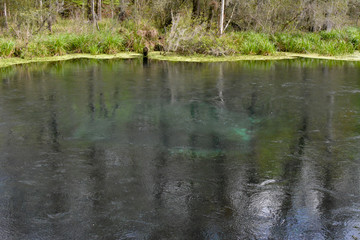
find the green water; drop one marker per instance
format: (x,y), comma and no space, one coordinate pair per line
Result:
(124,150)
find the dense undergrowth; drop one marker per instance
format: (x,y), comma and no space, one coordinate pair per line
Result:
(183,37)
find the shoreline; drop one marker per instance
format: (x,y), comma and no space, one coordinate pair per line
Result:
(7,62)
(172,57)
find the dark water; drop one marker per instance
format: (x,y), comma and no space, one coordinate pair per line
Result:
(118,150)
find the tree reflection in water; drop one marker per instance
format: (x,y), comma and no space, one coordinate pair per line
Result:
(118,150)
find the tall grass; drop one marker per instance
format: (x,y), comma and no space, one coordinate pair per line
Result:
(61,44)
(257,44)
(336,42)
(7,47)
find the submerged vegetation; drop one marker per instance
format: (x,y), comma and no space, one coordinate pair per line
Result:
(47,28)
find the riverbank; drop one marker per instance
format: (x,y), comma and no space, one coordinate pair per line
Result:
(172,57)
(67,38)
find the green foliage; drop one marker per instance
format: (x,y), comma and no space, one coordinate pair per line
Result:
(326,43)
(353,35)
(334,47)
(35,49)
(257,44)
(297,43)
(111,43)
(186,36)
(56,45)
(61,44)
(332,35)
(7,48)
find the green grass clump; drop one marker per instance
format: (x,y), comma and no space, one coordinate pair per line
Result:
(327,43)
(353,35)
(256,44)
(61,44)
(111,43)
(297,43)
(77,43)
(332,35)
(36,49)
(7,48)
(56,44)
(334,47)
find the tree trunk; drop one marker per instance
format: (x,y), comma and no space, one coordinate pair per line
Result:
(88,10)
(5,16)
(122,12)
(91,11)
(93,16)
(99,10)
(112,9)
(222,12)
(196,8)
(50,18)
(41,6)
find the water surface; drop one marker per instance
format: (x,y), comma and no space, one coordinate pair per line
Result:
(121,150)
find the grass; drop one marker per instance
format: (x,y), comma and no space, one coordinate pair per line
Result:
(7,48)
(87,43)
(256,44)
(326,43)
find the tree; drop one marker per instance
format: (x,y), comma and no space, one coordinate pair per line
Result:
(5,16)
(91,12)
(196,8)
(99,5)
(222,14)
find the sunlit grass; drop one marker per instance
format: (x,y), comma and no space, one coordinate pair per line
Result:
(330,43)
(7,47)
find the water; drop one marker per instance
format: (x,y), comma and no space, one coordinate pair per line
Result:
(121,150)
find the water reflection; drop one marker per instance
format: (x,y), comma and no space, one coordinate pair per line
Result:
(122,150)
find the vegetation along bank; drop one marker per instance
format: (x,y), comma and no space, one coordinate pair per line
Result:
(34,29)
